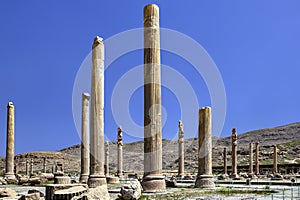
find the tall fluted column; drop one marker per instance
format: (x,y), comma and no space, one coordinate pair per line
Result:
(120,152)
(10,142)
(275,169)
(153,181)
(205,178)
(85,156)
(250,159)
(97,177)
(257,158)
(225,160)
(107,159)
(234,154)
(180,149)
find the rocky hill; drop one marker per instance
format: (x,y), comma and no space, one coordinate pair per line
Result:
(286,137)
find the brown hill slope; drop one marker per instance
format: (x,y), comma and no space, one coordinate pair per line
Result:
(287,136)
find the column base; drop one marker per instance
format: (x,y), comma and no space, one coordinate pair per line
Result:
(84,178)
(234,177)
(205,181)
(96,180)
(180,176)
(153,184)
(251,175)
(112,179)
(10,176)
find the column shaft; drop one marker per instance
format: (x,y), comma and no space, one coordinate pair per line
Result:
(153,181)
(10,142)
(120,152)
(44,165)
(250,158)
(275,169)
(97,177)
(180,149)
(257,159)
(234,154)
(107,159)
(205,177)
(225,160)
(85,156)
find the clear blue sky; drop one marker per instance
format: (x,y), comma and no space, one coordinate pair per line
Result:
(255,44)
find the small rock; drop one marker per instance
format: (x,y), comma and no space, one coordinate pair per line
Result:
(2,181)
(7,192)
(22,179)
(34,181)
(131,191)
(33,196)
(31,191)
(222,177)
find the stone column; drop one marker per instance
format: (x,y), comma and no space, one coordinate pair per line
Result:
(54,167)
(250,159)
(205,178)
(153,181)
(31,167)
(234,154)
(275,169)
(44,165)
(10,142)
(107,159)
(225,160)
(257,159)
(120,152)
(27,168)
(85,156)
(97,177)
(180,149)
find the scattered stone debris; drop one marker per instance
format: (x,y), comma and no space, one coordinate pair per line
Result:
(7,192)
(131,191)
(99,192)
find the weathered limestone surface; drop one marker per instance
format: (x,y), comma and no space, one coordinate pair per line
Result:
(64,191)
(132,190)
(180,149)
(205,178)
(225,160)
(7,192)
(99,192)
(120,152)
(62,180)
(153,181)
(275,169)
(97,159)
(107,159)
(234,154)
(250,159)
(85,153)
(10,142)
(257,158)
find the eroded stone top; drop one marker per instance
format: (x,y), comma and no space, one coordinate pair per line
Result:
(97,40)
(86,95)
(10,104)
